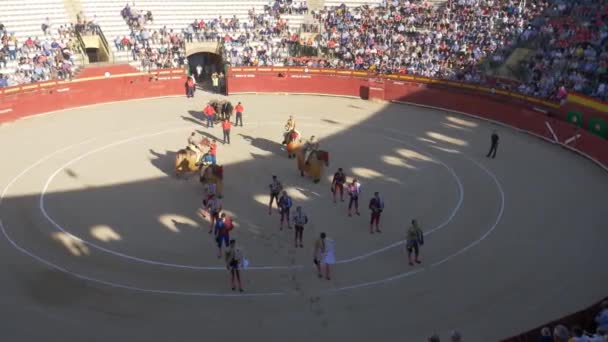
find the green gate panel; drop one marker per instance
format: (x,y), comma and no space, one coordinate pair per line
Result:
(575,118)
(599,127)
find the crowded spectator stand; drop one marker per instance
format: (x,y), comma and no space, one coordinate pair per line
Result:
(44,58)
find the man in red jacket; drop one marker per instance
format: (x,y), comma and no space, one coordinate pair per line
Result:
(210,114)
(190,87)
(239,114)
(226,128)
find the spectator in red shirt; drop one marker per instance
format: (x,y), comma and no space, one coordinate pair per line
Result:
(210,114)
(226,130)
(239,114)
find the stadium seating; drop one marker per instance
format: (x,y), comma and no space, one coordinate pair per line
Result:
(25,18)
(180,14)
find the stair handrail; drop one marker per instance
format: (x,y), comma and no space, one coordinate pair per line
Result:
(82,47)
(104,42)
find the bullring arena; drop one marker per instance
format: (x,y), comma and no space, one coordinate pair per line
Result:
(102,242)
(103,239)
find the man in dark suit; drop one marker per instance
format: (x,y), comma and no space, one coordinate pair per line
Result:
(493,146)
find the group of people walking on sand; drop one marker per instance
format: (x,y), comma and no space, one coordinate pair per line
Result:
(221,225)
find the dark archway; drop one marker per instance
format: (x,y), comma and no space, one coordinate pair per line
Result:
(209,63)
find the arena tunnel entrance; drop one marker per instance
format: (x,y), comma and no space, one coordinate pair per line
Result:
(207,68)
(203,64)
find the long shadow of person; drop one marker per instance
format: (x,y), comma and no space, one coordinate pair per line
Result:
(209,135)
(197,114)
(263,144)
(194,121)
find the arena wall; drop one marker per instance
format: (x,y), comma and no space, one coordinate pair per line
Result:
(31,99)
(541,118)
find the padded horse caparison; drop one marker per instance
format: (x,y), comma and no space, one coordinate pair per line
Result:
(321,155)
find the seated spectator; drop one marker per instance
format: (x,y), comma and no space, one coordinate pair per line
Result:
(545,335)
(601,335)
(561,334)
(434,338)
(3,81)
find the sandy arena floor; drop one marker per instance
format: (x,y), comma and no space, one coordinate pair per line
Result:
(101,243)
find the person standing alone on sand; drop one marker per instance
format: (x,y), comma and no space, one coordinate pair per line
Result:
(275,189)
(493,146)
(226,129)
(234,260)
(300,219)
(337,184)
(239,114)
(285,204)
(415,238)
(376,205)
(354,190)
(319,255)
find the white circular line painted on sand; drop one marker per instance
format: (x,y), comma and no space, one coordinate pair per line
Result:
(451,256)
(206,294)
(222,268)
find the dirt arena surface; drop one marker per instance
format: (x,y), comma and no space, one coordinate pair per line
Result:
(101,243)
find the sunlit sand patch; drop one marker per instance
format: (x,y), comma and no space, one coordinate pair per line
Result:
(73,245)
(396,161)
(414,155)
(362,172)
(171,221)
(427,140)
(296,194)
(462,122)
(448,125)
(445,138)
(448,150)
(105,233)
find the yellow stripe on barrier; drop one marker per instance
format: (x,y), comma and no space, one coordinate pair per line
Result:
(573,98)
(12,90)
(27,87)
(47,84)
(279,69)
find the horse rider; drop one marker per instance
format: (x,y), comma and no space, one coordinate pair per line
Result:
(193,145)
(311,146)
(290,126)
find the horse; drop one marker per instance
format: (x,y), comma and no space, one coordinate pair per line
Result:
(217,106)
(213,174)
(293,141)
(318,160)
(185,162)
(226,110)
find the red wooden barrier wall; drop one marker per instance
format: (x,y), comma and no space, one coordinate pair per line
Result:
(18,102)
(504,107)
